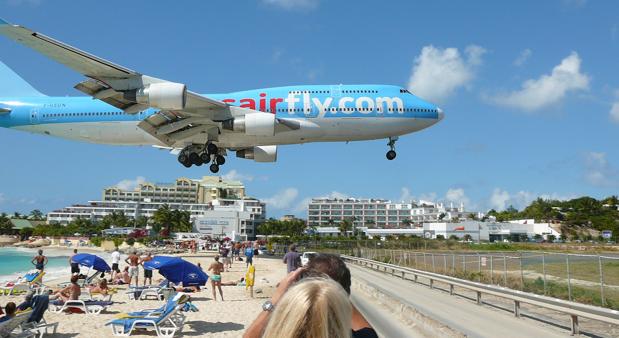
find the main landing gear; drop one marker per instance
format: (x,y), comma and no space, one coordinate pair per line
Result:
(199,155)
(391,153)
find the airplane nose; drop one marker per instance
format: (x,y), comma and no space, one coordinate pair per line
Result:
(441,115)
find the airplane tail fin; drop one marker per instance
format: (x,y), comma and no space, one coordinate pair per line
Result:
(12,85)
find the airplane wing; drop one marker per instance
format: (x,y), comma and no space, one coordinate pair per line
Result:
(180,110)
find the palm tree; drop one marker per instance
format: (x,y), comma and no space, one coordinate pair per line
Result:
(36,215)
(345,226)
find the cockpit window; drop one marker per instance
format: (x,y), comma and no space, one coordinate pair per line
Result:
(405,91)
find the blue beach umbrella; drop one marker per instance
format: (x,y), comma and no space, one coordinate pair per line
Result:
(177,270)
(91,261)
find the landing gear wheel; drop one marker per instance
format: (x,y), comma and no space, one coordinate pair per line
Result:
(182,158)
(199,163)
(391,153)
(187,164)
(211,148)
(214,168)
(205,157)
(220,160)
(194,158)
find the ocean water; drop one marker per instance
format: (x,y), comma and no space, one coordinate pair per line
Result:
(15,262)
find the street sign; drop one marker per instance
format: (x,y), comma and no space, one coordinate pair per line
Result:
(607,234)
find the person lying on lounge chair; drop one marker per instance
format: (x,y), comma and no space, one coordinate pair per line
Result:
(71,292)
(102,288)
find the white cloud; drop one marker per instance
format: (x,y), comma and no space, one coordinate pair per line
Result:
(600,173)
(499,199)
(406,195)
(547,90)
(502,199)
(282,199)
(234,175)
(614,112)
(457,195)
(614,109)
(130,184)
(523,57)
(294,4)
(438,73)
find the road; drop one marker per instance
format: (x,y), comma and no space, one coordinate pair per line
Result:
(460,314)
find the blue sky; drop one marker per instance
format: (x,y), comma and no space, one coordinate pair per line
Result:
(530,91)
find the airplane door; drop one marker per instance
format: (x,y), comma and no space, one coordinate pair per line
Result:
(34,116)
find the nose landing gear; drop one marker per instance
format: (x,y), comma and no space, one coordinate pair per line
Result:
(391,154)
(199,155)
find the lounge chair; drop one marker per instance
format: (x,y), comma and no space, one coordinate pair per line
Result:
(23,284)
(11,327)
(146,292)
(93,279)
(79,306)
(178,299)
(36,324)
(96,296)
(165,324)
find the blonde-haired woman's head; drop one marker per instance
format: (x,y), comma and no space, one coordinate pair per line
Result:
(314,307)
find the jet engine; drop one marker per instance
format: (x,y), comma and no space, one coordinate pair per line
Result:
(259,153)
(253,124)
(164,95)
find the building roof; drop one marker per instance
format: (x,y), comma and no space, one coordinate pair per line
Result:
(19,223)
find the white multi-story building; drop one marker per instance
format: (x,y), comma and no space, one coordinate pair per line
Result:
(201,198)
(484,231)
(378,213)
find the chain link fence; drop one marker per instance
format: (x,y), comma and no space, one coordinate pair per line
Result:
(590,279)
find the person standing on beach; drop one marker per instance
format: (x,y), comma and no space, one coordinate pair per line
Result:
(224,252)
(292,258)
(148,274)
(39,261)
(133,260)
(75,267)
(115,262)
(217,268)
(249,256)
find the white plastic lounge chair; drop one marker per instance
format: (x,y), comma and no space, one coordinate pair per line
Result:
(11,327)
(163,324)
(88,295)
(85,306)
(23,284)
(153,291)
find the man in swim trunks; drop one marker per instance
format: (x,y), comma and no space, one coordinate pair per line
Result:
(39,261)
(133,260)
(217,269)
(148,274)
(75,267)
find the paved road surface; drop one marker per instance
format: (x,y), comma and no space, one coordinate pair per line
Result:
(381,320)
(460,314)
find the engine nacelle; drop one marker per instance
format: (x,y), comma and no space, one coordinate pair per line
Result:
(259,153)
(164,95)
(253,124)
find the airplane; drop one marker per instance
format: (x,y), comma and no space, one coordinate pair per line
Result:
(125,107)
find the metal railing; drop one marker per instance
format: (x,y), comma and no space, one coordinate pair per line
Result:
(573,309)
(589,279)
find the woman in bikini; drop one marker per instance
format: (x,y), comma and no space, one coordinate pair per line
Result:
(217,269)
(39,261)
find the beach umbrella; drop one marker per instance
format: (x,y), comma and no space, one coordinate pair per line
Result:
(91,261)
(177,270)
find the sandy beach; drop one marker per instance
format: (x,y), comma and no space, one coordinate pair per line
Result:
(214,318)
